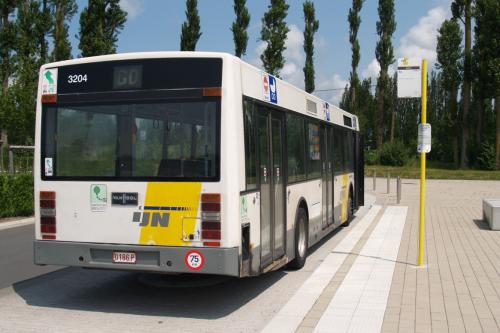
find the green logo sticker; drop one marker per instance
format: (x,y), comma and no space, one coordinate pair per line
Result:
(98,197)
(243,206)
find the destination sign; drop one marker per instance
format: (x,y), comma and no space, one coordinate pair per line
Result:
(143,74)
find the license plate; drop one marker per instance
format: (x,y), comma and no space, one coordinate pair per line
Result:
(124,257)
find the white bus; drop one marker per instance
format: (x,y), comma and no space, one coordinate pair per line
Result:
(187,162)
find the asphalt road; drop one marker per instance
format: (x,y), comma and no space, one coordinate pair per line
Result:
(83,300)
(16,256)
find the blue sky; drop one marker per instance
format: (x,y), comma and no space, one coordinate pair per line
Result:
(154,25)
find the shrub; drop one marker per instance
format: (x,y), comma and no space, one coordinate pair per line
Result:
(372,157)
(393,154)
(16,195)
(487,157)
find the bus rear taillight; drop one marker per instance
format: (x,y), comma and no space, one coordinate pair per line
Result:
(210,216)
(48,214)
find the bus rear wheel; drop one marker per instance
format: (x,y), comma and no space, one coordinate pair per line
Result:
(300,240)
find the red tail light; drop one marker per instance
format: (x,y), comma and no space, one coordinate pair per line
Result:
(211,222)
(211,243)
(210,207)
(49,99)
(48,215)
(210,234)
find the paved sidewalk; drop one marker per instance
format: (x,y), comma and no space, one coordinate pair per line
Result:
(459,288)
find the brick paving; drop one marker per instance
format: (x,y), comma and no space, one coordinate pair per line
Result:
(458,289)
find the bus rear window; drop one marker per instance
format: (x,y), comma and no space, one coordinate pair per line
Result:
(175,140)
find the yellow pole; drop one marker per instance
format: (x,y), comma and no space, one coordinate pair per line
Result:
(421,240)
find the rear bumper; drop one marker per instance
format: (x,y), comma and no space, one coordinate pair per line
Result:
(221,261)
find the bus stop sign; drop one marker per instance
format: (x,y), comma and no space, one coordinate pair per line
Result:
(409,78)
(424,138)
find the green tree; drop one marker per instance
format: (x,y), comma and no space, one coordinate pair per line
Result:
(463,10)
(7,41)
(100,24)
(191,28)
(63,11)
(274,32)
(239,27)
(311,26)
(354,23)
(448,60)
(487,57)
(384,53)
(30,53)
(44,26)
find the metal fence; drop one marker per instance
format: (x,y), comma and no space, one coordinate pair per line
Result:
(16,159)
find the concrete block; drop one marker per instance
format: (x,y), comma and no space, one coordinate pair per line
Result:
(491,213)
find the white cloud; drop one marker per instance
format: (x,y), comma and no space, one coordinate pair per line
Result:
(294,45)
(336,83)
(421,40)
(294,57)
(371,71)
(133,7)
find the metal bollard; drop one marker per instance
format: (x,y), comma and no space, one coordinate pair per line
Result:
(388,183)
(11,161)
(399,189)
(374,180)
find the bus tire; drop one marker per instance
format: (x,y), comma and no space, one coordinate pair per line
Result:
(301,240)
(350,210)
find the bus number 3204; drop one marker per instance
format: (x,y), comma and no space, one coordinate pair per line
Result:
(77,78)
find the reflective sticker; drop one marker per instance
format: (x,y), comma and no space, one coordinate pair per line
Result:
(49,81)
(194,260)
(49,167)
(98,197)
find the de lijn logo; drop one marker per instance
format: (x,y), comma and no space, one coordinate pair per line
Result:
(153,219)
(273,90)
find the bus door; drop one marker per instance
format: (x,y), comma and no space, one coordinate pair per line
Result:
(330,174)
(272,191)
(326,176)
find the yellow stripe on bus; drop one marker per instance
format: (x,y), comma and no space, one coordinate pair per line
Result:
(345,197)
(181,201)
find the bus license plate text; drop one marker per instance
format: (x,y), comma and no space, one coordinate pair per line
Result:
(124,257)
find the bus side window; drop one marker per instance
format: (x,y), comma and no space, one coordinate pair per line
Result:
(295,148)
(250,146)
(338,152)
(313,151)
(349,151)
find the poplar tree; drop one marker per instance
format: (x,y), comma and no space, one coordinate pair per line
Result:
(462,10)
(274,32)
(311,26)
(63,11)
(384,53)
(100,24)
(31,52)
(487,58)
(7,41)
(44,26)
(354,22)
(239,28)
(448,60)
(191,27)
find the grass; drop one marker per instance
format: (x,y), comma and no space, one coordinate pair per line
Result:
(413,172)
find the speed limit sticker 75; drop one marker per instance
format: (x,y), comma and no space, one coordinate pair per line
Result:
(194,260)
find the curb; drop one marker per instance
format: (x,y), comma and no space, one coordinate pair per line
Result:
(17,223)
